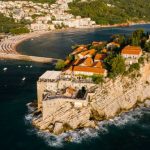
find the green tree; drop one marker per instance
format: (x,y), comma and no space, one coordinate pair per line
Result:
(147,47)
(117,65)
(20,30)
(119,12)
(97,79)
(71,57)
(60,65)
(135,66)
(137,36)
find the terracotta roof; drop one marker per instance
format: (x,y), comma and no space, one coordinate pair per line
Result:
(99,56)
(78,62)
(104,50)
(114,43)
(84,53)
(92,52)
(88,62)
(80,48)
(97,43)
(87,69)
(98,64)
(131,50)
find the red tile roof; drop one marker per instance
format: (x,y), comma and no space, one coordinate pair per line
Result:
(88,69)
(115,44)
(98,64)
(88,62)
(97,43)
(84,53)
(131,50)
(99,56)
(92,52)
(78,62)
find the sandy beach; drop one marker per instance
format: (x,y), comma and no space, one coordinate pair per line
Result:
(8,46)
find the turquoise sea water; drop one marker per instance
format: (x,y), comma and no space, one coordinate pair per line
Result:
(130,131)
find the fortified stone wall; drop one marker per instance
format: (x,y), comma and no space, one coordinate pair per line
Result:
(51,106)
(41,86)
(109,100)
(53,86)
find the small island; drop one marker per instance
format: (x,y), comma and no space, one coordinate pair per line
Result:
(97,81)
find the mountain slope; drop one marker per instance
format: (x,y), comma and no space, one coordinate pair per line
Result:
(112,11)
(36,1)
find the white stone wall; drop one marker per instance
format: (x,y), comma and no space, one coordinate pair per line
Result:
(131,56)
(51,86)
(51,106)
(54,86)
(41,86)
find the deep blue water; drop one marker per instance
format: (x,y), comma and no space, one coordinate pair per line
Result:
(128,132)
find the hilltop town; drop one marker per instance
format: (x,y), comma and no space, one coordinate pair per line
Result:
(43,16)
(77,96)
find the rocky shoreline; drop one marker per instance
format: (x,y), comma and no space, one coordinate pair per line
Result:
(110,100)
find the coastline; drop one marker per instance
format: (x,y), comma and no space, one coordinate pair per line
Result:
(18,56)
(14,41)
(105,107)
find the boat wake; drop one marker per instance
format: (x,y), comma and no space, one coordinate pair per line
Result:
(78,136)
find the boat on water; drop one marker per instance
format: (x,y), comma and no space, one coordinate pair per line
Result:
(23,79)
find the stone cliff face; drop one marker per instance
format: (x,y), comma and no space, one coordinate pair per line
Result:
(110,99)
(122,94)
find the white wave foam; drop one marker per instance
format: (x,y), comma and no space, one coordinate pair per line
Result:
(86,134)
(131,117)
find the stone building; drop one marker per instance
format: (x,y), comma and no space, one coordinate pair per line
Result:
(131,54)
(53,86)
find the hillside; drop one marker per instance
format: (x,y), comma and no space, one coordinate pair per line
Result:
(36,1)
(112,11)
(8,25)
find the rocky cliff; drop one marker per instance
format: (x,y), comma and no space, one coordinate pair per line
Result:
(110,99)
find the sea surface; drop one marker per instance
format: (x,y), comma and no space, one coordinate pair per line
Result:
(130,131)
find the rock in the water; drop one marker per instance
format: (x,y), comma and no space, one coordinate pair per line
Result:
(147,103)
(58,128)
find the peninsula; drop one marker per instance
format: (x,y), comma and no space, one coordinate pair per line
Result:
(96,81)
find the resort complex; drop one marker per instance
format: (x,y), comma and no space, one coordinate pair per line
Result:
(84,71)
(96,81)
(75,74)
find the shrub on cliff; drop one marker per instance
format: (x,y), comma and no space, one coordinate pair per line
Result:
(60,65)
(133,67)
(147,47)
(115,65)
(141,60)
(97,79)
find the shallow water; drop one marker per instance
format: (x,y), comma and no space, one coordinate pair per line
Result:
(130,131)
